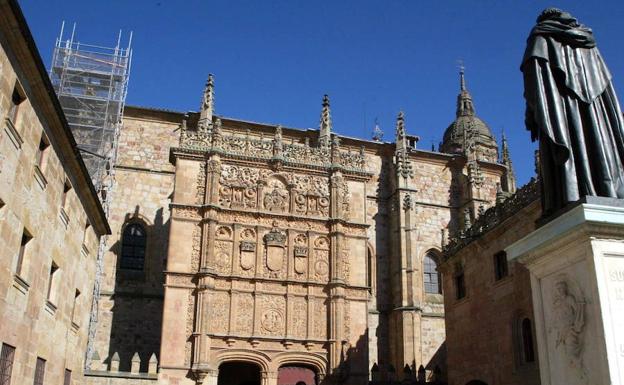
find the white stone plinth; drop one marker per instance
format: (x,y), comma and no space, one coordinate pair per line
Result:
(577,282)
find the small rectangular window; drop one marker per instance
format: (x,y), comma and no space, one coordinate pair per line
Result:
(76,298)
(7,355)
(39,371)
(460,286)
(66,188)
(42,152)
(51,280)
(67,380)
(16,99)
(500,265)
(21,254)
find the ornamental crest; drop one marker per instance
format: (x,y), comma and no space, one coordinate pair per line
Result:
(275,249)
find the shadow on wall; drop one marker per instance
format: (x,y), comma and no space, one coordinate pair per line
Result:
(138,295)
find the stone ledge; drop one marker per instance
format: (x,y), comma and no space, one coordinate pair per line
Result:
(40,178)
(104,373)
(20,284)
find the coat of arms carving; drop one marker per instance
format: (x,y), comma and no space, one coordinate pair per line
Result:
(275,246)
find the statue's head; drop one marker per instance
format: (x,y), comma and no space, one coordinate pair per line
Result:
(557,14)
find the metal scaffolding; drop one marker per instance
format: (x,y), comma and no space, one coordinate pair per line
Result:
(91,83)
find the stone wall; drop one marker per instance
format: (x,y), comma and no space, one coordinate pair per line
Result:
(482,329)
(130,309)
(45,302)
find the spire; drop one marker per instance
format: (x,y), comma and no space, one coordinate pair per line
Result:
(377,132)
(325,124)
(464,99)
(509,178)
(401,139)
(207,104)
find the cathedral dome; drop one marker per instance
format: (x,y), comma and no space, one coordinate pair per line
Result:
(468,133)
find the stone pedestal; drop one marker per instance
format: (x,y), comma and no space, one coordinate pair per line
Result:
(577,282)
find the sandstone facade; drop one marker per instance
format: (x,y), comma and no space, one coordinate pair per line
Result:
(50,221)
(490,328)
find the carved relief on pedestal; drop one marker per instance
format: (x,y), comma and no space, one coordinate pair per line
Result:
(244,313)
(201,185)
(223,250)
(299,317)
(276,195)
(568,310)
(345,265)
(321,259)
(247,251)
(275,252)
(219,312)
(300,252)
(347,321)
(320,318)
(272,311)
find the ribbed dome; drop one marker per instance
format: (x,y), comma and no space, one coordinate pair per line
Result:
(468,133)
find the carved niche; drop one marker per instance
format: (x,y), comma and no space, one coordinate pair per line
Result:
(275,250)
(247,249)
(300,251)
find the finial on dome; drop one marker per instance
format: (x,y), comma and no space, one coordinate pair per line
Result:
(462,80)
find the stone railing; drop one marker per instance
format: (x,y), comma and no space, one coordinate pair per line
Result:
(272,148)
(495,215)
(101,373)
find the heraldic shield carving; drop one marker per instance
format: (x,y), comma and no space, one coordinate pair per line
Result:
(275,249)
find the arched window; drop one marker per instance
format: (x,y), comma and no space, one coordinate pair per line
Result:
(527,341)
(133,247)
(431,276)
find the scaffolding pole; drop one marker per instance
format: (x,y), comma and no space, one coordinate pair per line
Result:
(91,82)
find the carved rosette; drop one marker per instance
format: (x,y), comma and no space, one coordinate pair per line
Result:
(272,315)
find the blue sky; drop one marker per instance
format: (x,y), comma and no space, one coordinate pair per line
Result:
(273,60)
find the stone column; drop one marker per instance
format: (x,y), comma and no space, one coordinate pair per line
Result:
(576,263)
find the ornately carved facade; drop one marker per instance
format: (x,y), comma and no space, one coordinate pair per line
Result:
(302,248)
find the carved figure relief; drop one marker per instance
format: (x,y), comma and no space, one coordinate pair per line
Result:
(299,317)
(320,318)
(569,321)
(300,251)
(219,312)
(238,186)
(275,249)
(311,195)
(247,249)
(276,195)
(244,313)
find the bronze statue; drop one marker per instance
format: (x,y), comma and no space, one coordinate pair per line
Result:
(573,111)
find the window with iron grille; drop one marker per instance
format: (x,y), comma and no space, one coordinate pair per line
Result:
(133,247)
(500,265)
(7,354)
(67,380)
(39,371)
(431,276)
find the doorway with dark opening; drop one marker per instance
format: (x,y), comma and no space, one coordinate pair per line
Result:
(293,374)
(239,373)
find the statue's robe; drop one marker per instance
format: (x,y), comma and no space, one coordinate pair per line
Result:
(573,111)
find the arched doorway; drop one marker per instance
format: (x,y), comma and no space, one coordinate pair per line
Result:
(293,374)
(239,373)
(476,382)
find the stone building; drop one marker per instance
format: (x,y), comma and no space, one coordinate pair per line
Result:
(286,254)
(50,222)
(490,332)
